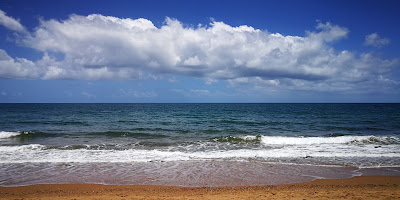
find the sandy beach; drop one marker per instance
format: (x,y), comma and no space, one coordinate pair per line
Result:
(364,187)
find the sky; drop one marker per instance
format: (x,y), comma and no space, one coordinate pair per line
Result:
(307,51)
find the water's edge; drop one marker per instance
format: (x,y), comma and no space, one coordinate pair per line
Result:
(178,173)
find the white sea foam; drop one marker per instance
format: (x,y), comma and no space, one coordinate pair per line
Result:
(276,140)
(378,155)
(280,140)
(7,134)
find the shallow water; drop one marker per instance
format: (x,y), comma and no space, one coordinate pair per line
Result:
(188,174)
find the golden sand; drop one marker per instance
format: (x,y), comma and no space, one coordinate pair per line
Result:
(378,187)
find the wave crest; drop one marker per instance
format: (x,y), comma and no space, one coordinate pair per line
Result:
(281,140)
(8,134)
(239,139)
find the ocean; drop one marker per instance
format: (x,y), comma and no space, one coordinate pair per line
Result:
(195,144)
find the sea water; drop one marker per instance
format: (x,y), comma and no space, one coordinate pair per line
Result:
(42,143)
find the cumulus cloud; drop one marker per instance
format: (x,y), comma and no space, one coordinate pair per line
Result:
(329,32)
(351,73)
(375,40)
(105,47)
(11,23)
(17,68)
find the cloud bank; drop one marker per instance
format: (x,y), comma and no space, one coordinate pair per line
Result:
(98,47)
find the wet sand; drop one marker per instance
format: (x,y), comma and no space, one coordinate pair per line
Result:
(364,187)
(186,173)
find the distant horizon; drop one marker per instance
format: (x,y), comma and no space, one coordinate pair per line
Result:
(200,51)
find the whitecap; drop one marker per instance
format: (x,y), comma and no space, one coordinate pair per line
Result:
(7,134)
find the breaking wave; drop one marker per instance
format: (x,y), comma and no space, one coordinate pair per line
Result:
(341,150)
(7,134)
(281,140)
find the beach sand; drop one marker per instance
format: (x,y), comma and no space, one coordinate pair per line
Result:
(364,187)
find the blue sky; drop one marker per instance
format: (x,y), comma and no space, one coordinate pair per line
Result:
(199,51)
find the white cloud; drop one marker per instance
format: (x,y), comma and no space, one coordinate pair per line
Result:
(375,40)
(137,94)
(104,47)
(209,81)
(193,92)
(17,68)
(200,92)
(101,47)
(11,23)
(329,32)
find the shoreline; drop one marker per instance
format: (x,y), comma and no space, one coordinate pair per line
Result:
(180,174)
(360,187)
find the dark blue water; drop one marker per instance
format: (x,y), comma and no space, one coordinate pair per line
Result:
(339,134)
(196,144)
